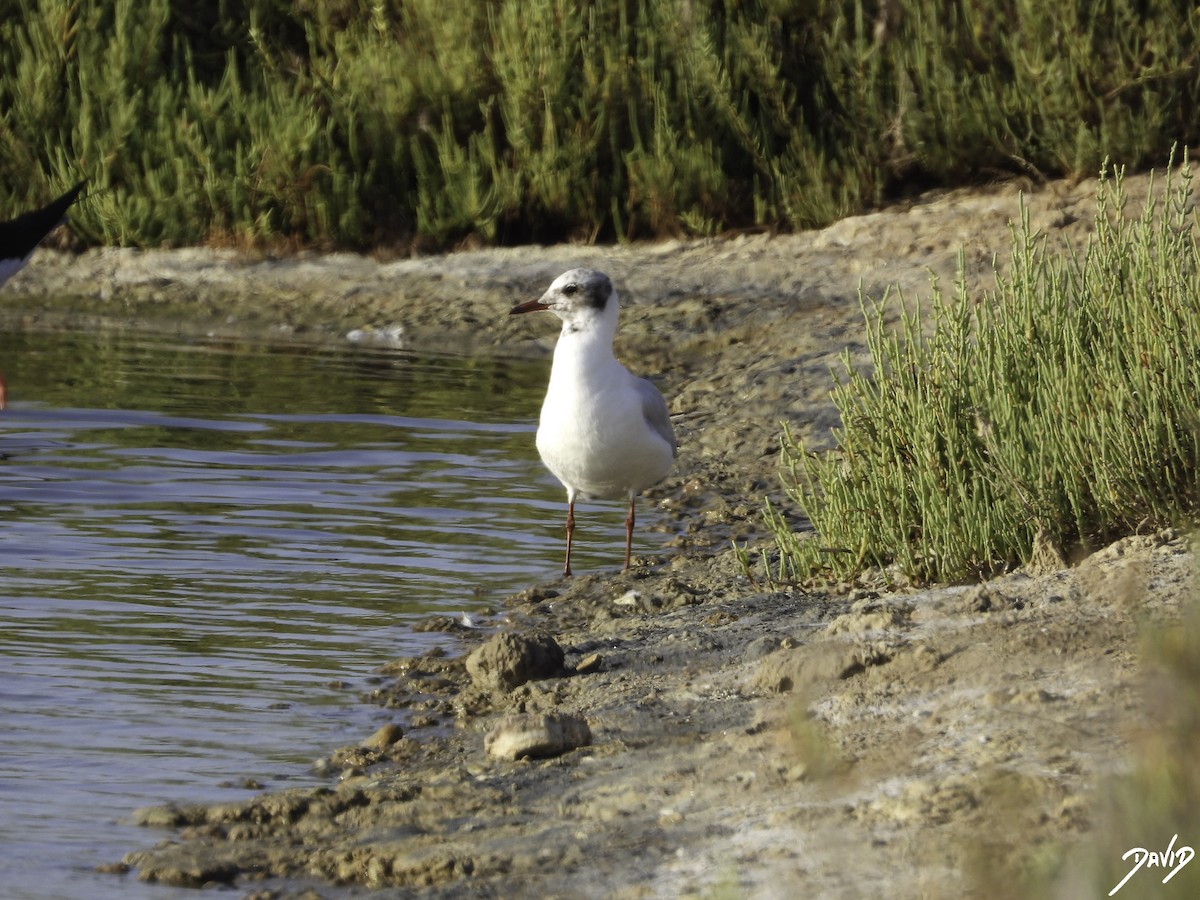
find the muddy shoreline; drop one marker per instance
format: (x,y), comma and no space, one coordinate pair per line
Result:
(741,740)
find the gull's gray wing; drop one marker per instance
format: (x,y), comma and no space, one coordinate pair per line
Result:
(654,408)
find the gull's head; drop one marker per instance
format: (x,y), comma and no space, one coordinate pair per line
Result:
(582,298)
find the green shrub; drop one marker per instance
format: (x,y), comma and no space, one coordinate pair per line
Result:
(427,121)
(1058,410)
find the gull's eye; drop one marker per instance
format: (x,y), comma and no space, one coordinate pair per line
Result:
(571,289)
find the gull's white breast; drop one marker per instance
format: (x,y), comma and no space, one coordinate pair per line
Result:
(593,434)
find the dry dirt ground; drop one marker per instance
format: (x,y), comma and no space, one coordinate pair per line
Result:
(711,735)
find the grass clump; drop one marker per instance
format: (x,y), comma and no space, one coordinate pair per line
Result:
(1057,411)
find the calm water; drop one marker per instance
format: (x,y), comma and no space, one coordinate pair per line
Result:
(200,540)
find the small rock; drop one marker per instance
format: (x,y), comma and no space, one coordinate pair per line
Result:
(508,660)
(384,737)
(761,646)
(535,595)
(187,868)
(159,817)
(537,736)
(353,758)
(589,663)
(629,598)
(668,817)
(447,624)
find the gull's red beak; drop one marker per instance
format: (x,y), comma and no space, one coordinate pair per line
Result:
(528,306)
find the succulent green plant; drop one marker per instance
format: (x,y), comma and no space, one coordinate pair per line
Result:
(1056,410)
(424,122)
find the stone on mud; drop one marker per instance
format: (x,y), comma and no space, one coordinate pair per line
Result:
(588,664)
(186,868)
(817,664)
(509,660)
(384,737)
(168,816)
(536,736)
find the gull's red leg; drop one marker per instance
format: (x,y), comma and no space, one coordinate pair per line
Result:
(628,535)
(570,534)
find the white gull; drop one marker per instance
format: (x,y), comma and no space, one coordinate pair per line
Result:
(604,433)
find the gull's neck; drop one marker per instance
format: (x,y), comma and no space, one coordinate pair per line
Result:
(585,343)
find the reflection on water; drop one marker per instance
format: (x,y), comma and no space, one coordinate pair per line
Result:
(205,548)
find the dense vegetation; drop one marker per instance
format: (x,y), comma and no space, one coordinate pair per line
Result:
(355,124)
(1052,414)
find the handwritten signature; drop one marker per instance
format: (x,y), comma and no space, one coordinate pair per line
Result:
(1169,859)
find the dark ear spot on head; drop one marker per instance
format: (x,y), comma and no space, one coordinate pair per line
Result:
(601,291)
